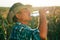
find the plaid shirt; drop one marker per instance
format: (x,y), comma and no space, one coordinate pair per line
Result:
(23,32)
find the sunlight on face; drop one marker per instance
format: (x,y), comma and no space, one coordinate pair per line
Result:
(25,14)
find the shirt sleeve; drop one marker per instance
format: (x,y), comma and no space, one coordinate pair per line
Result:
(36,34)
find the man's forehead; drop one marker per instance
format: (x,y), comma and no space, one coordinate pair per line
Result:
(24,9)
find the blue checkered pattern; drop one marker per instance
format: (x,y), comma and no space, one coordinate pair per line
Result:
(24,32)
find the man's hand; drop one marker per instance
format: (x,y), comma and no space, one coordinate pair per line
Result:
(42,11)
(43,24)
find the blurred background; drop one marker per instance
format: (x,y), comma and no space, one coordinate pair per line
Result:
(52,15)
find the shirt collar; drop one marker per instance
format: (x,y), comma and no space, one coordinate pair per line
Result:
(18,23)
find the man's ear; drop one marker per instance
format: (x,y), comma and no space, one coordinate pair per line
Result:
(17,15)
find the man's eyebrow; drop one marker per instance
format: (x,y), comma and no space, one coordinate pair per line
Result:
(25,8)
(18,12)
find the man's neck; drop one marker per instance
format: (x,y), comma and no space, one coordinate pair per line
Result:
(23,22)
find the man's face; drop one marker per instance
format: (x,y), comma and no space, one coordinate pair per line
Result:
(25,15)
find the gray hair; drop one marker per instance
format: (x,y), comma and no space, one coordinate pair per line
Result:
(13,10)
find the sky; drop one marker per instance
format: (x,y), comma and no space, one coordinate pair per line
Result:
(34,3)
